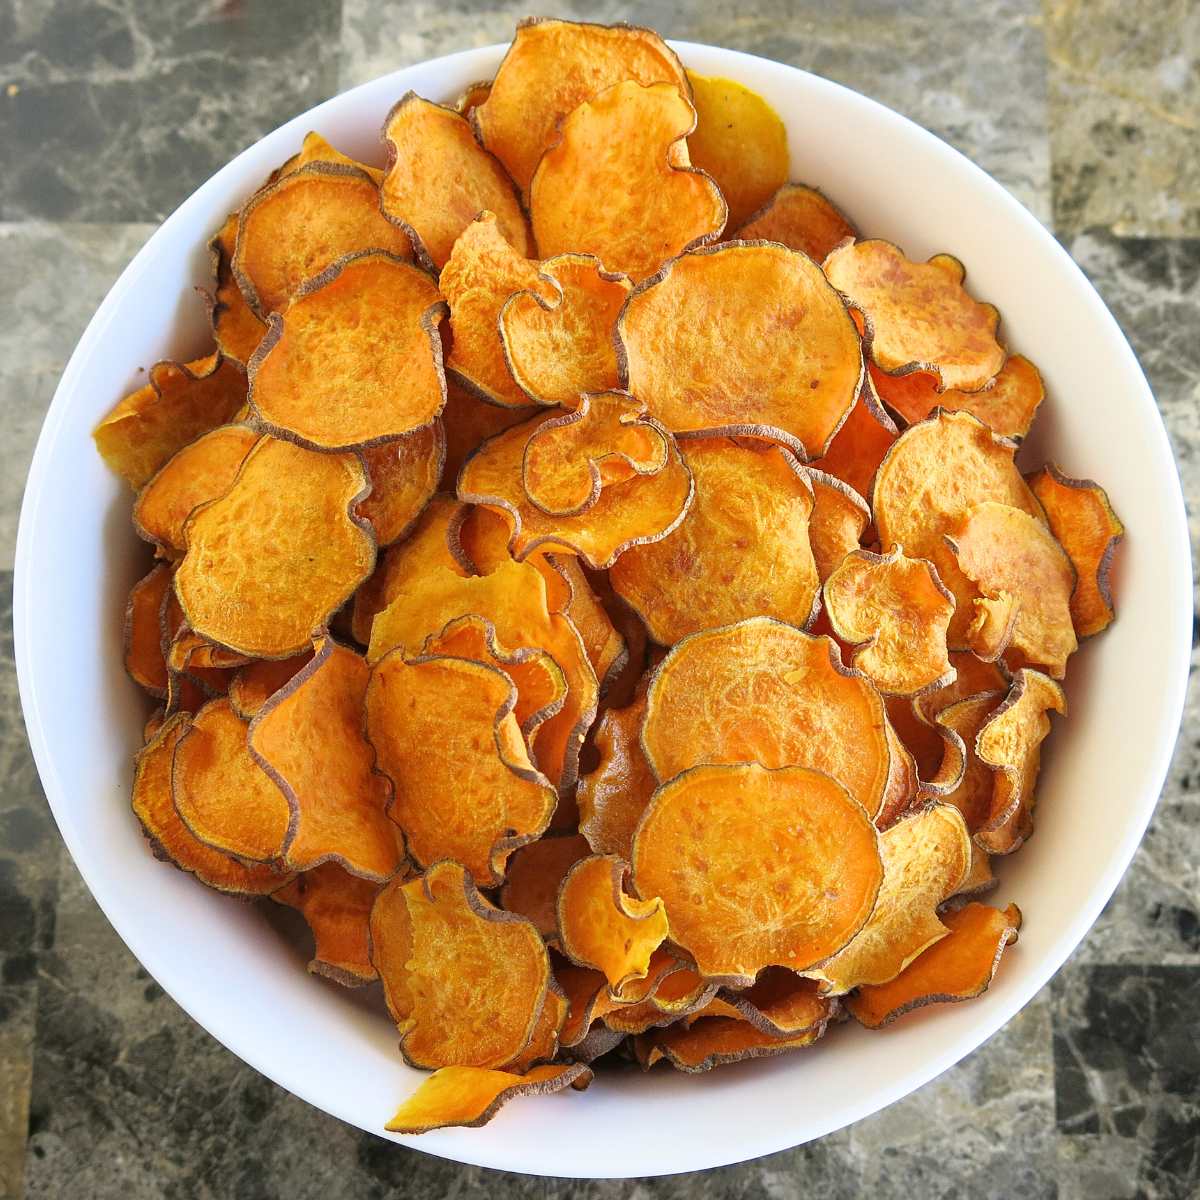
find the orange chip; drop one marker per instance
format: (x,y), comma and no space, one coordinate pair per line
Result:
(1015,560)
(962,779)
(293,229)
(897,612)
(465,981)
(236,328)
(816,866)
(702,343)
(780,1003)
(839,519)
(533,877)
(559,347)
(309,738)
(973,676)
(619,184)
(355,359)
(919,315)
(742,550)
(154,722)
(959,967)
(921,741)
(144,659)
(439,179)
(712,1042)
(201,471)
(803,219)
(783,699)
(337,907)
(979,878)
(463,784)
(600,925)
(543,1043)
(550,69)
(606,646)
(859,446)
(903,785)
(588,1000)
(1083,521)
(404,474)
(259,680)
(315,148)
(678,993)
(469,422)
(272,559)
(181,401)
(472,96)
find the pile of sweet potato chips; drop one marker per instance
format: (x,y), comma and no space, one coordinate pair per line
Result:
(594,586)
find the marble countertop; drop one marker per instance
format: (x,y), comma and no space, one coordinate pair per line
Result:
(112,111)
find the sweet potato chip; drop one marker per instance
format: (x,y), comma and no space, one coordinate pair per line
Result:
(1083,521)
(619,184)
(236,328)
(472,96)
(337,907)
(677,993)
(839,519)
(979,878)
(356,358)
(742,550)
(533,877)
(780,1003)
(558,348)
(309,738)
(315,148)
(903,785)
(588,1000)
(439,179)
(144,659)
(919,315)
(972,676)
(463,785)
(992,623)
(272,559)
(962,779)
(613,797)
(605,644)
(702,344)
(465,981)
(543,1043)
(959,967)
(762,691)
(296,227)
(404,474)
(712,1042)
(921,741)
(1013,558)
(179,403)
(469,422)
(896,611)
(859,446)
(801,218)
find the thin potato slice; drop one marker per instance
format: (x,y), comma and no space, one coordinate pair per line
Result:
(801,218)
(236,328)
(860,445)
(588,1000)
(472,96)
(839,520)
(469,422)
(963,780)
(606,645)
(618,183)
(543,1043)
(679,994)
(816,866)
(972,676)
(979,878)
(535,873)
(713,1042)
(404,475)
(702,343)
(145,662)
(780,1003)
(903,786)
(315,148)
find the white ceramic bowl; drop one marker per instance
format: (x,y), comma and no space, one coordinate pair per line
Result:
(76,559)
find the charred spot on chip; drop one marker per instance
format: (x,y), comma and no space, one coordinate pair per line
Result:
(801,218)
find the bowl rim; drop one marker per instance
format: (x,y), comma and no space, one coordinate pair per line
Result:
(1070,934)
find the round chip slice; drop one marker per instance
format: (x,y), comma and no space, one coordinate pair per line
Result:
(802,218)
(534,874)
(404,475)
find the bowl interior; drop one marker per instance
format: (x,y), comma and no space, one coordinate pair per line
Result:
(77,558)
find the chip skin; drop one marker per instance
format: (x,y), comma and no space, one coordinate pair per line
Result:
(237,330)
(839,520)
(315,148)
(779,1003)
(962,779)
(713,1042)
(259,680)
(534,874)
(145,662)
(801,218)
(404,475)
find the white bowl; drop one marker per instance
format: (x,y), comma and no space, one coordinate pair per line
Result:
(77,557)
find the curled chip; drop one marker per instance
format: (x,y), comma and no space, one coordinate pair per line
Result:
(937,471)
(815,876)
(740,141)
(259,680)
(859,446)
(296,227)
(469,422)
(801,218)
(465,981)
(678,991)
(309,738)
(619,183)
(1007,405)
(464,787)
(925,859)
(439,179)
(714,1041)
(606,645)
(180,402)
(962,779)
(919,315)
(236,328)
(903,785)
(404,474)
(543,1043)
(337,907)
(201,471)
(1083,521)
(221,794)
(144,659)
(747,337)
(550,69)
(533,877)
(642,508)
(1014,559)
(170,838)
(897,612)
(839,519)
(315,148)
(1010,743)
(558,348)
(979,878)
(272,559)
(762,691)
(779,1003)
(356,358)
(588,1000)
(569,459)
(600,925)
(959,967)
(742,550)
(472,1096)
(472,96)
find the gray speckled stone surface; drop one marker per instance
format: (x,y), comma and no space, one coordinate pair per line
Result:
(111,113)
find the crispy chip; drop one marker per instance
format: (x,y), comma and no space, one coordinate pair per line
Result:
(439,179)
(355,359)
(962,779)
(839,519)
(979,878)
(619,184)
(801,218)
(677,994)
(606,646)
(780,1003)
(713,1042)
(903,785)
(742,338)
(817,867)
(859,446)
(154,722)
(973,676)
(921,741)
(271,560)
(543,1043)
(144,659)
(469,422)
(533,877)
(463,784)
(315,148)
(258,681)
(236,328)
(1088,529)
(588,1000)
(465,981)
(472,96)
(959,967)
(404,475)
(919,315)
(613,797)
